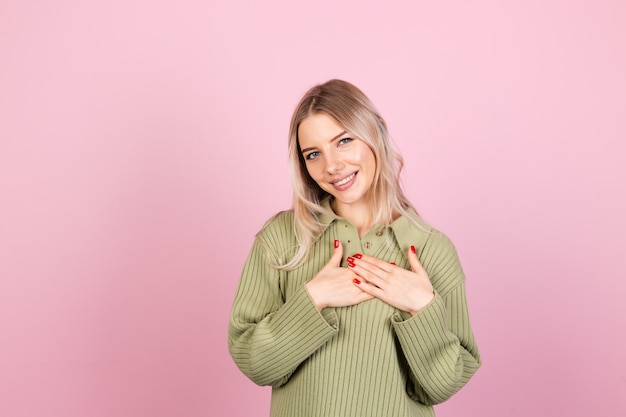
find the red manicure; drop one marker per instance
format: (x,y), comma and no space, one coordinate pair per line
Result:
(392,263)
(356,281)
(358,256)
(412,248)
(336,243)
(350,261)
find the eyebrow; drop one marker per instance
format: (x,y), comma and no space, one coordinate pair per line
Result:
(311,148)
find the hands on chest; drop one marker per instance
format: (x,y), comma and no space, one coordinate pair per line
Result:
(367,277)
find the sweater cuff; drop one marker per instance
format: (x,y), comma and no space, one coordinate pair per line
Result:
(402,316)
(430,322)
(328,314)
(300,311)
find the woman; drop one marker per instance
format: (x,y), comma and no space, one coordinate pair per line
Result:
(349,304)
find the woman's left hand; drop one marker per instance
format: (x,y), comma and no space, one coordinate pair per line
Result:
(409,291)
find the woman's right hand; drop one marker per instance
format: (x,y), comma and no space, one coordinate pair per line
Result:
(333,285)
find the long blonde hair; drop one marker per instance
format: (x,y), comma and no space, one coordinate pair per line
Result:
(352,110)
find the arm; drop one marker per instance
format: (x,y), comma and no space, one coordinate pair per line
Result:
(438,342)
(269,337)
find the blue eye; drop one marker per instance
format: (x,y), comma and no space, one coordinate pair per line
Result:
(311,156)
(345,140)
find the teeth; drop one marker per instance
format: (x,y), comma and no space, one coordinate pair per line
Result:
(345,180)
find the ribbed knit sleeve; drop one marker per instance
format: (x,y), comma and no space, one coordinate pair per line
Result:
(269,337)
(438,342)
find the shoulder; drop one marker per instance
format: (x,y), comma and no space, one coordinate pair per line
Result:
(412,230)
(438,241)
(439,257)
(280,220)
(415,229)
(278,229)
(431,242)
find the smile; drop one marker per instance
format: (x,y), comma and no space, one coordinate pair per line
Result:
(344,180)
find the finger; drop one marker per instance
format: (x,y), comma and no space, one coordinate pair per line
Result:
(366,275)
(368,288)
(335,260)
(373,264)
(414,261)
(362,295)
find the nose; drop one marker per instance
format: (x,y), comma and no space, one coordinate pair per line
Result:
(334,163)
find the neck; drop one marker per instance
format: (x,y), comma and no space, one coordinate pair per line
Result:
(360,215)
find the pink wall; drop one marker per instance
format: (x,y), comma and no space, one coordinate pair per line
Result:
(142,144)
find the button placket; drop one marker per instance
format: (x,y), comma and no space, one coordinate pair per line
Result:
(350,238)
(372,240)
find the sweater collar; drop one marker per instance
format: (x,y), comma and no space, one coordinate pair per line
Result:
(405,232)
(328,216)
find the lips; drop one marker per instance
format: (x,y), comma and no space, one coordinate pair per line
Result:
(344,182)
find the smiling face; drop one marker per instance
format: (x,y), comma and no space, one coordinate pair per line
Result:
(342,165)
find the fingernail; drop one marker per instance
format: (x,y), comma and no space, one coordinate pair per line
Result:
(356,281)
(412,248)
(392,263)
(350,261)
(336,243)
(358,256)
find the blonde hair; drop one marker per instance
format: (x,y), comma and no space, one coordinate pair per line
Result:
(352,110)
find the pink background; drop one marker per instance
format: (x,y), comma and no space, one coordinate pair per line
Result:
(143,144)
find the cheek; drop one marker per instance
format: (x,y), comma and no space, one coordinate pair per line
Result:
(313,172)
(367,159)
(372,162)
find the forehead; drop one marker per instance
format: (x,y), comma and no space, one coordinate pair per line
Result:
(318,127)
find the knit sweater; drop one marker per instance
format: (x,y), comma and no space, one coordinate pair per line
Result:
(369,359)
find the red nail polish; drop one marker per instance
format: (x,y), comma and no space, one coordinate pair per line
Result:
(412,248)
(392,263)
(336,243)
(358,256)
(356,281)
(350,264)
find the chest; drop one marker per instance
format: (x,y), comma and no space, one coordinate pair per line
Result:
(378,242)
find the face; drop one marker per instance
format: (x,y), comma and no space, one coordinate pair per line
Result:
(342,165)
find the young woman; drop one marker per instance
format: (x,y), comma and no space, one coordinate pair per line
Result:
(349,304)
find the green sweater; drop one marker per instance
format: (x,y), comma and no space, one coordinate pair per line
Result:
(370,359)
